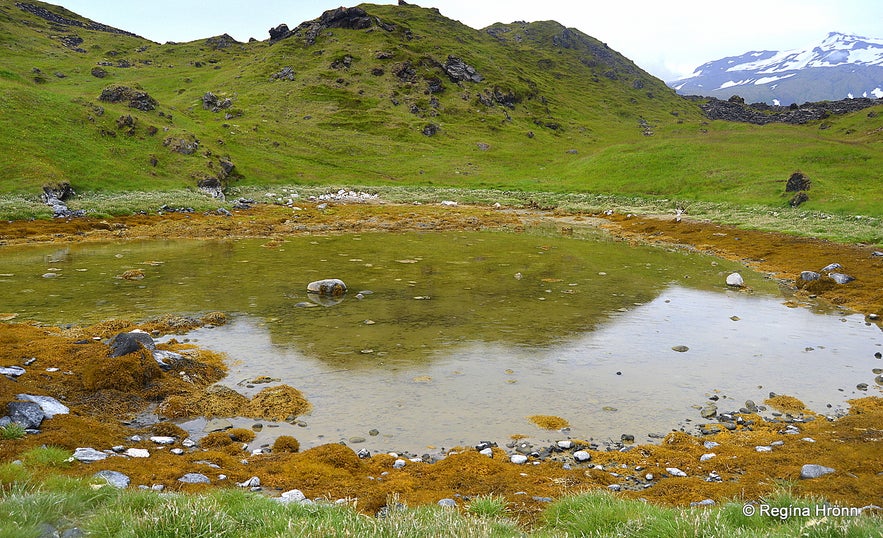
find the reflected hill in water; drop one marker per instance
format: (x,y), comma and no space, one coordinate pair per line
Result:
(410,295)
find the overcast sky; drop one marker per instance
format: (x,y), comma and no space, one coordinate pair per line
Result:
(667,38)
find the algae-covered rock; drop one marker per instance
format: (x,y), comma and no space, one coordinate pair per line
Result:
(328,287)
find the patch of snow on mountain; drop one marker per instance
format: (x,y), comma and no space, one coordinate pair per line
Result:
(731,83)
(767,80)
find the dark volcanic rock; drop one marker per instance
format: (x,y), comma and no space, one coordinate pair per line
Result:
(459,70)
(798,182)
(352,18)
(28,414)
(762,113)
(125,343)
(221,42)
(58,19)
(136,98)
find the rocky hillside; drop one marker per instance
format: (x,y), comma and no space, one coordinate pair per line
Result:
(839,67)
(385,93)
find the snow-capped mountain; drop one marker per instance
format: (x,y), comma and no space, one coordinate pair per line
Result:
(841,66)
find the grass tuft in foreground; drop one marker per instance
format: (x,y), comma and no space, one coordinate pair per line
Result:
(33,507)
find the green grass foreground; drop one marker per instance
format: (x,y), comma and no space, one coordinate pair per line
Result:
(32,506)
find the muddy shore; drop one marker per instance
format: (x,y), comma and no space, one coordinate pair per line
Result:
(100,394)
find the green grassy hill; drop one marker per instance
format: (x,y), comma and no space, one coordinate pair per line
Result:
(389,103)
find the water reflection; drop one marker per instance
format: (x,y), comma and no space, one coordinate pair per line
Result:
(443,338)
(622,377)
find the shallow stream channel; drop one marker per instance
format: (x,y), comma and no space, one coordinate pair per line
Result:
(451,338)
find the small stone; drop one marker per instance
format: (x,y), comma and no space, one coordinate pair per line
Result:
(292,496)
(137,453)
(680,349)
(649,477)
(706,457)
(195,478)
(448,503)
(614,487)
(333,287)
(566,445)
(217,425)
(704,502)
(518,459)
(763,449)
(188,443)
(710,444)
(708,411)
(356,440)
(489,452)
(177,451)
(114,478)
(399,464)
(88,455)
(163,440)
(810,471)
(831,267)
(582,456)
(12,371)
(49,405)
(735,280)
(250,483)
(674,471)
(809,276)
(841,278)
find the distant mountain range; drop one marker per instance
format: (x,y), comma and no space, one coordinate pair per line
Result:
(840,66)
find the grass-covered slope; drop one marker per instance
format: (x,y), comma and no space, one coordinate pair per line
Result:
(551,109)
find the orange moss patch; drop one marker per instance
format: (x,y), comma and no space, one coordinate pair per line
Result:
(286,443)
(769,252)
(278,403)
(549,422)
(787,404)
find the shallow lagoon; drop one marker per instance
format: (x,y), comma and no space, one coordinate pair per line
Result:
(458,337)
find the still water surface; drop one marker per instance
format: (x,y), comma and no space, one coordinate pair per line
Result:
(458,337)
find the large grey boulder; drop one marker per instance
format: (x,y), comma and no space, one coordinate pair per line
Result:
(49,405)
(125,343)
(27,414)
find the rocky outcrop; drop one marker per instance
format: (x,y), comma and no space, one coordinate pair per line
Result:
(55,18)
(221,42)
(55,195)
(212,102)
(460,71)
(352,18)
(136,99)
(735,109)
